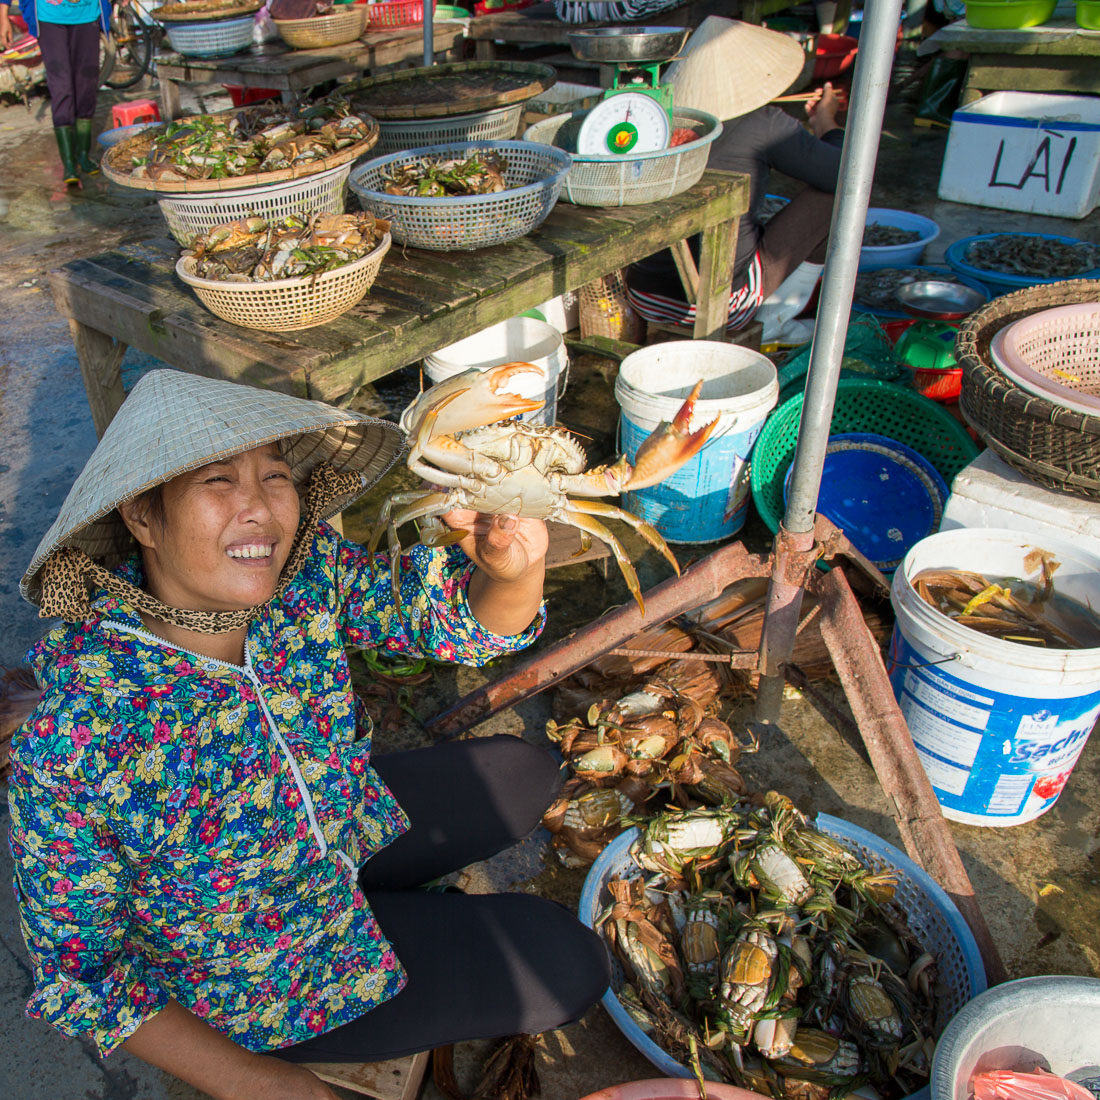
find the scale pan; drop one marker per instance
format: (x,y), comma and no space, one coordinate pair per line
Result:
(628,45)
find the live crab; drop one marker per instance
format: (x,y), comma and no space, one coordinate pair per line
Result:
(473,462)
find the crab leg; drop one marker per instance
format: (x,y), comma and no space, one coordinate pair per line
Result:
(593,527)
(426,504)
(646,530)
(384,522)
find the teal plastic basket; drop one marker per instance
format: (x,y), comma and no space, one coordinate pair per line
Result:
(862,405)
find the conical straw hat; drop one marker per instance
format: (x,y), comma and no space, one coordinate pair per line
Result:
(729,68)
(173,422)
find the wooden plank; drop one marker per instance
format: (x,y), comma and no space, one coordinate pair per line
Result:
(998,72)
(100,359)
(688,272)
(397,1079)
(715,275)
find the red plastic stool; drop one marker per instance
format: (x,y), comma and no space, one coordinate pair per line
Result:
(134,111)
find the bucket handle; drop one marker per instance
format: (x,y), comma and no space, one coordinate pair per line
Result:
(563,380)
(894,666)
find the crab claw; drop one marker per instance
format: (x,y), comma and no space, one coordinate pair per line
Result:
(669,446)
(475,398)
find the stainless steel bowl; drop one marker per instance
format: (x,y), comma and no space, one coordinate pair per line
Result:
(939,300)
(623,45)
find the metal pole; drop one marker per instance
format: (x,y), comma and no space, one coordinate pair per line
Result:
(794,544)
(429,32)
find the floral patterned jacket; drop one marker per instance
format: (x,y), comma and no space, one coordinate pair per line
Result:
(185,828)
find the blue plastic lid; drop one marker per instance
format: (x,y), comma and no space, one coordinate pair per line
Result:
(883,495)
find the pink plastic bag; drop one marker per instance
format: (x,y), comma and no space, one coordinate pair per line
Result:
(1010,1084)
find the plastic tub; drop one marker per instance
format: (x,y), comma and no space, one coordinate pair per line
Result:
(519,339)
(1050,1021)
(1008,15)
(932,916)
(1001,282)
(707,498)
(997,725)
(1088,14)
(897,255)
(835,54)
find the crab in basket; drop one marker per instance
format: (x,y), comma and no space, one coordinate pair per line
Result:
(473,461)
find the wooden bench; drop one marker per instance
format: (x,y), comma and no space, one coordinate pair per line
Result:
(422,301)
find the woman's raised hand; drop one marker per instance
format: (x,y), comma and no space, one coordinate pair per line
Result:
(822,108)
(506,548)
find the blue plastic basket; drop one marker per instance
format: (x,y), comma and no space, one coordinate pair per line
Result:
(218,38)
(930,913)
(1000,282)
(535,174)
(932,269)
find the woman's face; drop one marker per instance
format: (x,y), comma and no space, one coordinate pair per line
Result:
(226,533)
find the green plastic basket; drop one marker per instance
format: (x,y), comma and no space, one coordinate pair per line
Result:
(862,405)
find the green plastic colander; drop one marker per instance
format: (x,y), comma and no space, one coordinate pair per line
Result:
(862,405)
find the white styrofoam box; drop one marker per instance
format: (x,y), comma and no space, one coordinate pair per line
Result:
(990,493)
(1025,151)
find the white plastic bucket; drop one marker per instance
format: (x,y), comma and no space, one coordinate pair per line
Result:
(519,339)
(706,499)
(998,725)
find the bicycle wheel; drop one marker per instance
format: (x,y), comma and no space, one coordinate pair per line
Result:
(130,48)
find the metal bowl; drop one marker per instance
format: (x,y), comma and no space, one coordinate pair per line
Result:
(939,300)
(623,45)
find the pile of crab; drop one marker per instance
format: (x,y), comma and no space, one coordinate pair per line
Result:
(760,951)
(425,177)
(253,250)
(266,138)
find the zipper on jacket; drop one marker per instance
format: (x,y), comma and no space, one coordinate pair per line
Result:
(250,674)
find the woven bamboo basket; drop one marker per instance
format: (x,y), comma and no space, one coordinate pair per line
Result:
(197,12)
(287,305)
(116,165)
(1053,445)
(345,25)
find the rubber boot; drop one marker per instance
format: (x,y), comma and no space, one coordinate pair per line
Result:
(66,146)
(83,147)
(778,311)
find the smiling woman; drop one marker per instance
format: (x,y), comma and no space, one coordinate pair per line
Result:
(213,872)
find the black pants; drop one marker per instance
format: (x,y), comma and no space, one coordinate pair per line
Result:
(479,965)
(70,53)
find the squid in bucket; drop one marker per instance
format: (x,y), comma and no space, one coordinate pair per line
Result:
(472,460)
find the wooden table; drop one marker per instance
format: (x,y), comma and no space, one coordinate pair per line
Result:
(422,301)
(1055,57)
(275,65)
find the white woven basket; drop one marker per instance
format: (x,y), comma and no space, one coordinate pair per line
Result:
(189,215)
(397,135)
(1055,354)
(230,36)
(630,179)
(286,305)
(318,31)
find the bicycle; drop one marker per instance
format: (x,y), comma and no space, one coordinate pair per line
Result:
(126,53)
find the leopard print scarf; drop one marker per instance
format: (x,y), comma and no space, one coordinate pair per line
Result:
(69,574)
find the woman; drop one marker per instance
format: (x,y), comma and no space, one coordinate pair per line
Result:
(68,32)
(757,65)
(193,801)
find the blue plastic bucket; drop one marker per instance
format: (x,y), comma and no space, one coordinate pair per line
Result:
(706,499)
(997,725)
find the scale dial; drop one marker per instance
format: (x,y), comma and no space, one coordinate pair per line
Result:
(625,123)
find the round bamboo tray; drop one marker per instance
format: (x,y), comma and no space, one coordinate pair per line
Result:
(287,305)
(200,11)
(1053,445)
(460,88)
(120,154)
(341,26)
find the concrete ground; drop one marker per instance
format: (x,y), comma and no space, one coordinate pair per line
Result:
(1037,883)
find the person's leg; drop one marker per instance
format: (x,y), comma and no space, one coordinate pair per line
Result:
(85,67)
(799,232)
(466,801)
(479,966)
(54,40)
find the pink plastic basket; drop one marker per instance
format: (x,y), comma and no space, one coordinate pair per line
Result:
(396,13)
(1055,354)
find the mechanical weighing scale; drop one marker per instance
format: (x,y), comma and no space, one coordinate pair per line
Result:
(635,115)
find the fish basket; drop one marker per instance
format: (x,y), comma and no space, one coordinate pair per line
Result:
(631,179)
(930,914)
(862,405)
(397,135)
(188,216)
(210,39)
(1053,445)
(535,174)
(286,305)
(396,13)
(345,25)
(1003,282)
